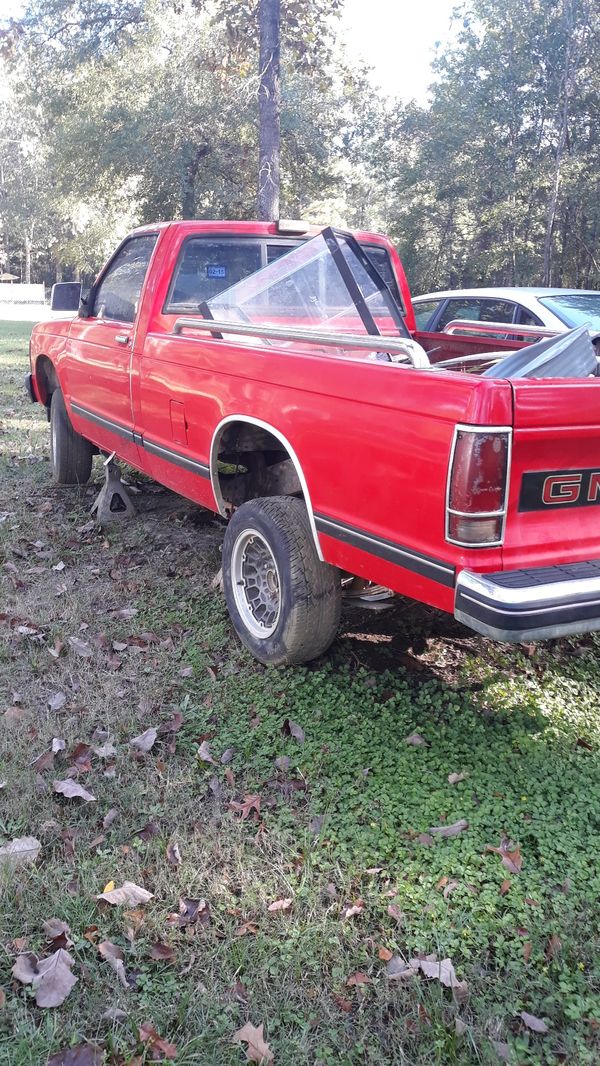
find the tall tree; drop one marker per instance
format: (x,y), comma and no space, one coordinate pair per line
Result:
(269,109)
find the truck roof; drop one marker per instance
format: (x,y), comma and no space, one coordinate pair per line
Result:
(252,228)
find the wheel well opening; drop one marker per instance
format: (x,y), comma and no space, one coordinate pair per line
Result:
(46,377)
(250,462)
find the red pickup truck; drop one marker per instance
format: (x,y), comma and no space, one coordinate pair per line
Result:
(273,374)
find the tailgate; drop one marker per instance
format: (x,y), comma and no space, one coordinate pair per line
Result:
(554,499)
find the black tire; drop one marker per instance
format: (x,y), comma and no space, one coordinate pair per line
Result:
(70,453)
(308,593)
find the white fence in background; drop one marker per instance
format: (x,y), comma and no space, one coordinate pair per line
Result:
(17,293)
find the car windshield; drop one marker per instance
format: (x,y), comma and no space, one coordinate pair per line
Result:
(327,284)
(575,308)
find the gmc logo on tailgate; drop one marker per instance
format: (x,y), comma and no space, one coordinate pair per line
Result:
(556,489)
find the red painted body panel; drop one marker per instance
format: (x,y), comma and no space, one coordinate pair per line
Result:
(373,440)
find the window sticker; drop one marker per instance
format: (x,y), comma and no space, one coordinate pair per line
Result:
(215,271)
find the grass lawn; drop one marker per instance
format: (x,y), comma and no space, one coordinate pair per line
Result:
(104,635)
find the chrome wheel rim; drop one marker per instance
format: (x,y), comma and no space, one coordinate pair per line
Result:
(256,585)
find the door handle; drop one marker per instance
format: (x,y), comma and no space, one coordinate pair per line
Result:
(122,338)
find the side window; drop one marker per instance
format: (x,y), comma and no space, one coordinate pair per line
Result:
(467,308)
(527,318)
(207,267)
(424,312)
(119,291)
(497,311)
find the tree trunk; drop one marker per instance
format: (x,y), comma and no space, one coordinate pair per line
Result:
(193,156)
(269,110)
(27,265)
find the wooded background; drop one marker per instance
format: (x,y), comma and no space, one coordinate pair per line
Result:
(120,112)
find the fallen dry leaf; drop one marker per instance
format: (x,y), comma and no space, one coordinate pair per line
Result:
(106,750)
(81,757)
(450,888)
(395,912)
(190,911)
(504,887)
(80,646)
(358,978)
(144,742)
(535,1024)
(416,740)
(292,729)
(161,952)
(56,701)
(129,895)
(257,1050)
(42,762)
(343,1004)
(425,839)
(247,929)
(114,957)
(227,756)
(50,978)
(58,744)
(509,853)
(450,830)
(73,790)
(398,969)
(173,855)
(204,753)
(440,970)
(172,725)
(58,933)
(385,954)
(81,1055)
(148,1035)
(282,763)
(22,851)
(553,946)
(109,817)
(280,905)
(249,803)
(453,779)
(352,909)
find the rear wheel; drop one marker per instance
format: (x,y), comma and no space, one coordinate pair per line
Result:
(70,453)
(284,602)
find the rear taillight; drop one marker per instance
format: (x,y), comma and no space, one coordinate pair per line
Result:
(477,486)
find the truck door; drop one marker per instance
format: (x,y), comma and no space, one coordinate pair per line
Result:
(100,349)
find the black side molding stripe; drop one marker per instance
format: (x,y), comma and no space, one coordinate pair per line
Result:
(134,437)
(424,565)
(104,423)
(176,457)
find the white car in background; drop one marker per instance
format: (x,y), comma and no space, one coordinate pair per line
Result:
(550,309)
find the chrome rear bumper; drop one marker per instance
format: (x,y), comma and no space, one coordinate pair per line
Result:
(536,604)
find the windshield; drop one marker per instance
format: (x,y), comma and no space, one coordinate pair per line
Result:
(327,283)
(575,308)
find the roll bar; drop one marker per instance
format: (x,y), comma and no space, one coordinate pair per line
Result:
(510,329)
(401,346)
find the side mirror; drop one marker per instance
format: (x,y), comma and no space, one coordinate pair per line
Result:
(65,296)
(85,303)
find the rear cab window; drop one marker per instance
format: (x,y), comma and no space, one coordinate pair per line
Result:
(207,266)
